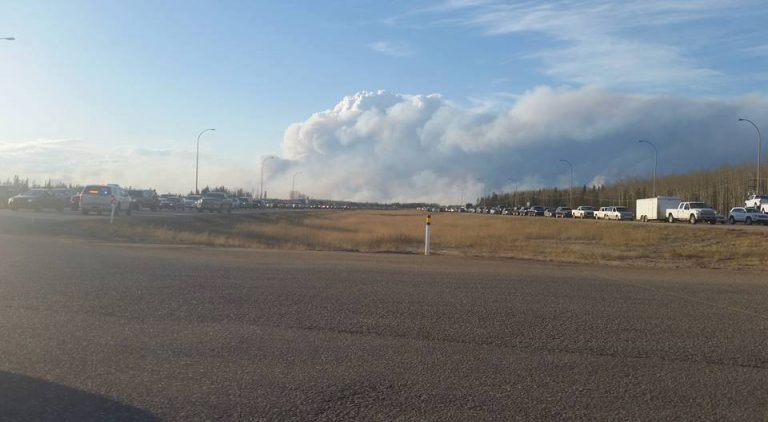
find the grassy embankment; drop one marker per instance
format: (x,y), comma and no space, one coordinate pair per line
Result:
(654,244)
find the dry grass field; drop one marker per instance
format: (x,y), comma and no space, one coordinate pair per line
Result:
(649,244)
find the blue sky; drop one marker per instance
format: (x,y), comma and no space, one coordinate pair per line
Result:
(147,76)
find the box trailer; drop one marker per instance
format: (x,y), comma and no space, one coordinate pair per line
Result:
(649,209)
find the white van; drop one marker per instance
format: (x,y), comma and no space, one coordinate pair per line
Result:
(99,198)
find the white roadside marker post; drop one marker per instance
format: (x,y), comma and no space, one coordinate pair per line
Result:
(428,235)
(114,206)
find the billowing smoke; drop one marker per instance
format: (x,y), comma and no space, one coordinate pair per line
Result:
(379,146)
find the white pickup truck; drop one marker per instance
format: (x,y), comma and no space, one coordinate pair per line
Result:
(613,213)
(583,211)
(759,202)
(693,212)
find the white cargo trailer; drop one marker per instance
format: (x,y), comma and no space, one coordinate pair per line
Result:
(649,209)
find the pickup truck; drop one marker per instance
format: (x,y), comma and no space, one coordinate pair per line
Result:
(693,212)
(584,211)
(601,212)
(214,201)
(759,202)
(618,213)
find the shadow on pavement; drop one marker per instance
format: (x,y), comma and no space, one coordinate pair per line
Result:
(30,399)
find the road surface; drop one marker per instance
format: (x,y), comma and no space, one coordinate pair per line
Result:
(94,331)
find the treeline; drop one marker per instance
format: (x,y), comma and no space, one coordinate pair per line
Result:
(722,189)
(239,192)
(20,183)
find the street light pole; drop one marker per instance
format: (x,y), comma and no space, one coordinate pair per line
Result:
(293,185)
(655,163)
(482,180)
(197,158)
(261,191)
(514,197)
(570,192)
(759,151)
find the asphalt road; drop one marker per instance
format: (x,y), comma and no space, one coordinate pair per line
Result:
(94,331)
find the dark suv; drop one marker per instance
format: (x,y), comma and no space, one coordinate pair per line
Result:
(214,201)
(144,198)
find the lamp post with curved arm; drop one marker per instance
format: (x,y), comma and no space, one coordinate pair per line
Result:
(655,162)
(293,185)
(759,151)
(570,192)
(197,158)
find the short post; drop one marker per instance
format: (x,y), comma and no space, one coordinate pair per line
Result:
(112,215)
(428,235)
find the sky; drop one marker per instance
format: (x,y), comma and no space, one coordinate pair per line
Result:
(439,100)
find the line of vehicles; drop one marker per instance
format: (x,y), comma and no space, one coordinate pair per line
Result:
(662,208)
(102,198)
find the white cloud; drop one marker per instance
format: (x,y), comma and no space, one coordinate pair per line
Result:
(623,44)
(392,49)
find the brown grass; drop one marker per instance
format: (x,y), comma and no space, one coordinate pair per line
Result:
(654,244)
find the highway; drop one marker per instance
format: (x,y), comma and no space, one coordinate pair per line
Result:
(99,331)
(28,216)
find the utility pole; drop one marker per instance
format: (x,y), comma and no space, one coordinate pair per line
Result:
(570,192)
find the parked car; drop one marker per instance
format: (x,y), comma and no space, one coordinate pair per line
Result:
(747,216)
(246,202)
(584,211)
(144,198)
(169,202)
(563,212)
(37,199)
(214,201)
(8,192)
(536,211)
(101,198)
(191,201)
(549,212)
